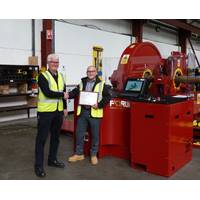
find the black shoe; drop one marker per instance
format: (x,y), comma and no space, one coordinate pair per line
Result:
(40,172)
(56,163)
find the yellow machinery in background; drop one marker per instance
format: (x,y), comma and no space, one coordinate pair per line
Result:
(97,59)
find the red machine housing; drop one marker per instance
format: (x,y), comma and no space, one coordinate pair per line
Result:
(161,143)
(136,60)
(161,136)
(141,60)
(115,130)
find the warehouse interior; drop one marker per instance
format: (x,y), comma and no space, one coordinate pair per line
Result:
(76,42)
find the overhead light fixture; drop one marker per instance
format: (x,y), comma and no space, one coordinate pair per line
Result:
(157,28)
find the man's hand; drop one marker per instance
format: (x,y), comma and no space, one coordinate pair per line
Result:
(65,113)
(66,95)
(95,106)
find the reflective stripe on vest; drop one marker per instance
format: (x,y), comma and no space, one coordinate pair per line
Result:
(46,104)
(96,113)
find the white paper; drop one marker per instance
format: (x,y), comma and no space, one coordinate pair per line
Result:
(180,96)
(88,98)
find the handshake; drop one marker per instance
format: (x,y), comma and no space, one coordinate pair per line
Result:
(66,95)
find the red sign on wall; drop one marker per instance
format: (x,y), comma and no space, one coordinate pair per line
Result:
(49,34)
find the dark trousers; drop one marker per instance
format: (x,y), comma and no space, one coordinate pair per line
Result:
(47,122)
(82,124)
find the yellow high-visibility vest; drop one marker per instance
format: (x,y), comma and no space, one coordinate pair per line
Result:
(96,113)
(46,104)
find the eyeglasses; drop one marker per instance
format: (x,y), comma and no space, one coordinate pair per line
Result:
(54,62)
(91,71)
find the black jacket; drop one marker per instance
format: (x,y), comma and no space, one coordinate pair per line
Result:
(105,93)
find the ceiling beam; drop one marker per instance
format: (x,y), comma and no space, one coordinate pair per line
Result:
(181,25)
(137,29)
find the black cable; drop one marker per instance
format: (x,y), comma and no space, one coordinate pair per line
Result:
(91,26)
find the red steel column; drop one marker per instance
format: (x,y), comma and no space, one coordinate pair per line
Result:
(182,39)
(46,41)
(137,29)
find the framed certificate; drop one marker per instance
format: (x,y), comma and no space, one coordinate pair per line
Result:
(88,98)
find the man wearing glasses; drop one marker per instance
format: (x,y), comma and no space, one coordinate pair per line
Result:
(50,108)
(89,115)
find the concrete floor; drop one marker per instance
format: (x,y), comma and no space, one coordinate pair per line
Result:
(17,140)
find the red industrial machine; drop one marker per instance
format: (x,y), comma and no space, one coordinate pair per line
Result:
(149,118)
(143,60)
(162,111)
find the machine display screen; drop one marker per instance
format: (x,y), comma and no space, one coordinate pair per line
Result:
(134,85)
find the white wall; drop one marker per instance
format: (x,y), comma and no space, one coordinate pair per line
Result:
(110,25)
(15,48)
(163,36)
(74,46)
(167,41)
(15,41)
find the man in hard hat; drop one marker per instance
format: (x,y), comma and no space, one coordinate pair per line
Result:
(50,108)
(89,115)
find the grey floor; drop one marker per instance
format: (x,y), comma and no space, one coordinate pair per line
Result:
(17,139)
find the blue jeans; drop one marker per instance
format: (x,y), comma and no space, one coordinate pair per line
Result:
(82,125)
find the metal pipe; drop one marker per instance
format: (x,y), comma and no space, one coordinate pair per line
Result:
(53,39)
(187,79)
(33,37)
